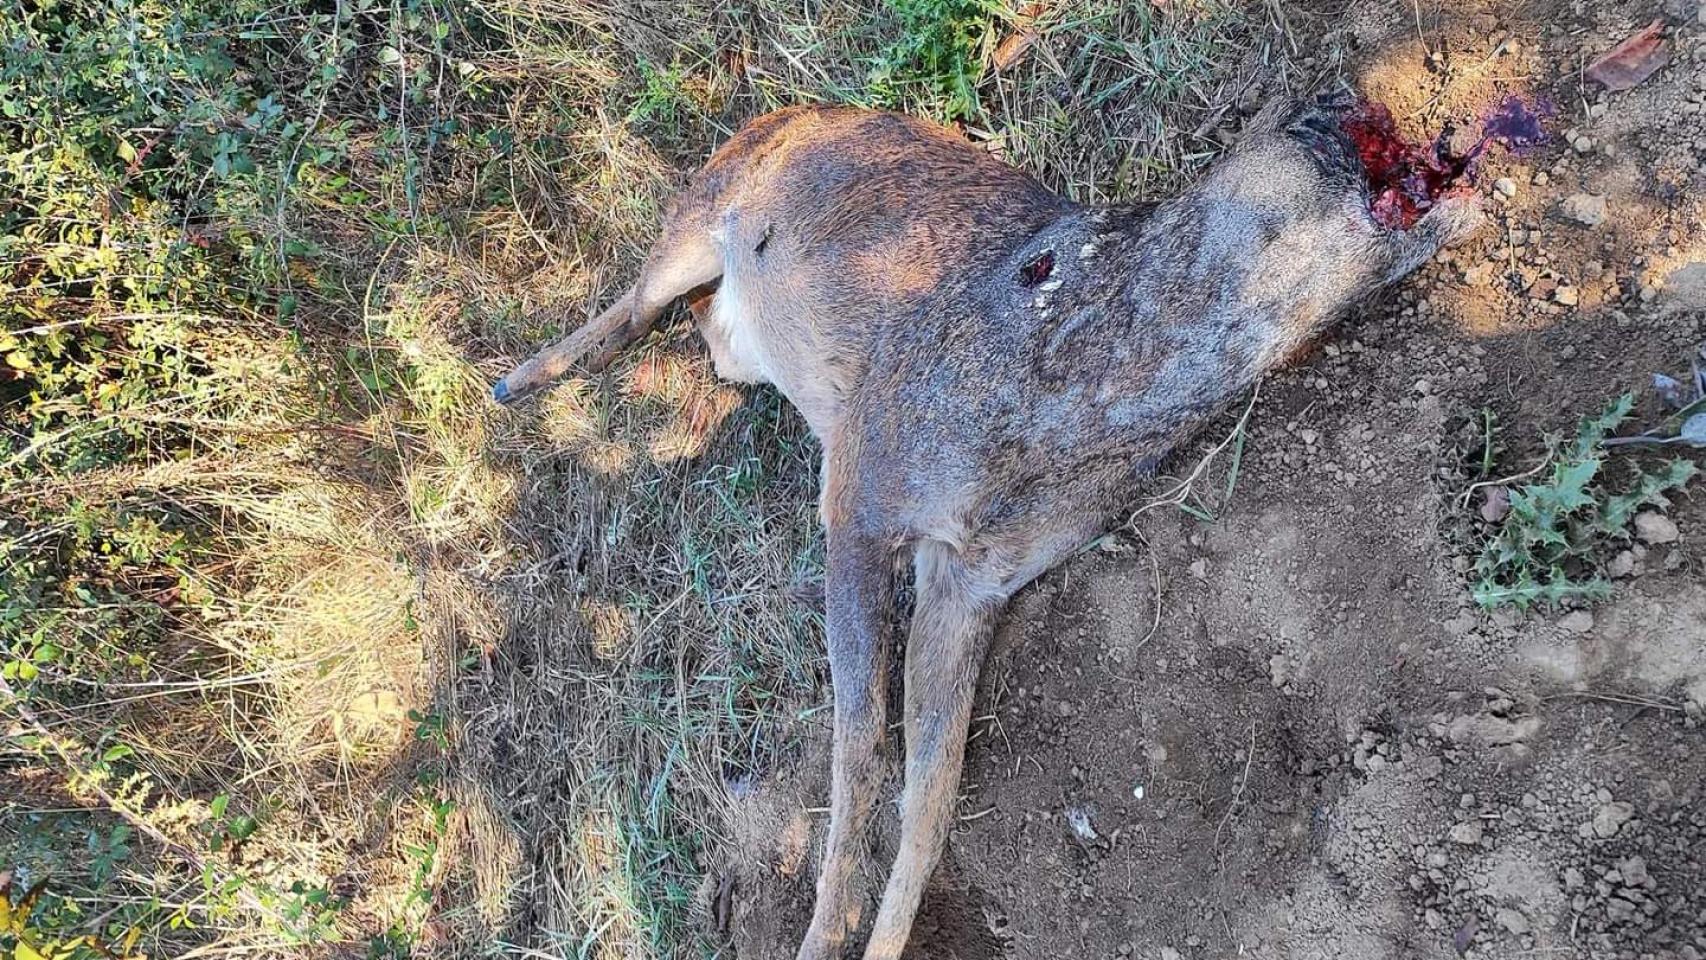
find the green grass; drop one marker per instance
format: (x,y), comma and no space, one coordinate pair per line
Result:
(308,649)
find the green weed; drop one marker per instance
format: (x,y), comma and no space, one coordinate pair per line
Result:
(662,99)
(1548,547)
(938,58)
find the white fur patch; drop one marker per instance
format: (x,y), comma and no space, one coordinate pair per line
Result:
(735,343)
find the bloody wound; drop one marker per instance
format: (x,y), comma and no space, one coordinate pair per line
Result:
(1406,179)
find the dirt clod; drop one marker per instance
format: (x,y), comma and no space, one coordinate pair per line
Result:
(1586,209)
(1611,817)
(1655,528)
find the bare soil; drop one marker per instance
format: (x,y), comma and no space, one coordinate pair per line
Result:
(1288,732)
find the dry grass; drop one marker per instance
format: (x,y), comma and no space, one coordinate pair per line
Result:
(564,630)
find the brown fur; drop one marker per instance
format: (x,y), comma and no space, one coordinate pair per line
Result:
(992,371)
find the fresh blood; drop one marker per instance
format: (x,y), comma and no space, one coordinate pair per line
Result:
(1406,179)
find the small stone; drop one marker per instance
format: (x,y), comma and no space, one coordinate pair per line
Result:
(1655,528)
(1573,879)
(1566,295)
(1541,178)
(1199,568)
(1634,870)
(1505,186)
(1577,621)
(1495,504)
(1583,144)
(1512,920)
(1433,919)
(1467,833)
(1587,209)
(1621,565)
(1611,818)
(1168,953)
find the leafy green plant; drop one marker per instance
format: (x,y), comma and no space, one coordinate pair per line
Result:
(939,56)
(1547,547)
(663,97)
(188,187)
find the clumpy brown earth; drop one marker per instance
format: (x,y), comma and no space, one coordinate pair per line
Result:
(1272,727)
(1287,732)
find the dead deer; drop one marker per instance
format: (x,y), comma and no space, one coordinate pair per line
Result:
(992,372)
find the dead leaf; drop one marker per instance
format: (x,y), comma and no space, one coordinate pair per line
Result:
(1633,60)
(1013,49)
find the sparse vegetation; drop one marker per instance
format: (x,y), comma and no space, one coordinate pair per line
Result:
(1554,534)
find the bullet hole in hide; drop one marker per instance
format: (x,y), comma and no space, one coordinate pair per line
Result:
(1038,269)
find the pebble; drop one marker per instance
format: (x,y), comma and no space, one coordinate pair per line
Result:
(1634,870)
(1612,817)
(1566,295)
(1577,621)
(1512,920)
(1587,209)
(1655,528)
(1621,565)
(1505,186)
(1468,833)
